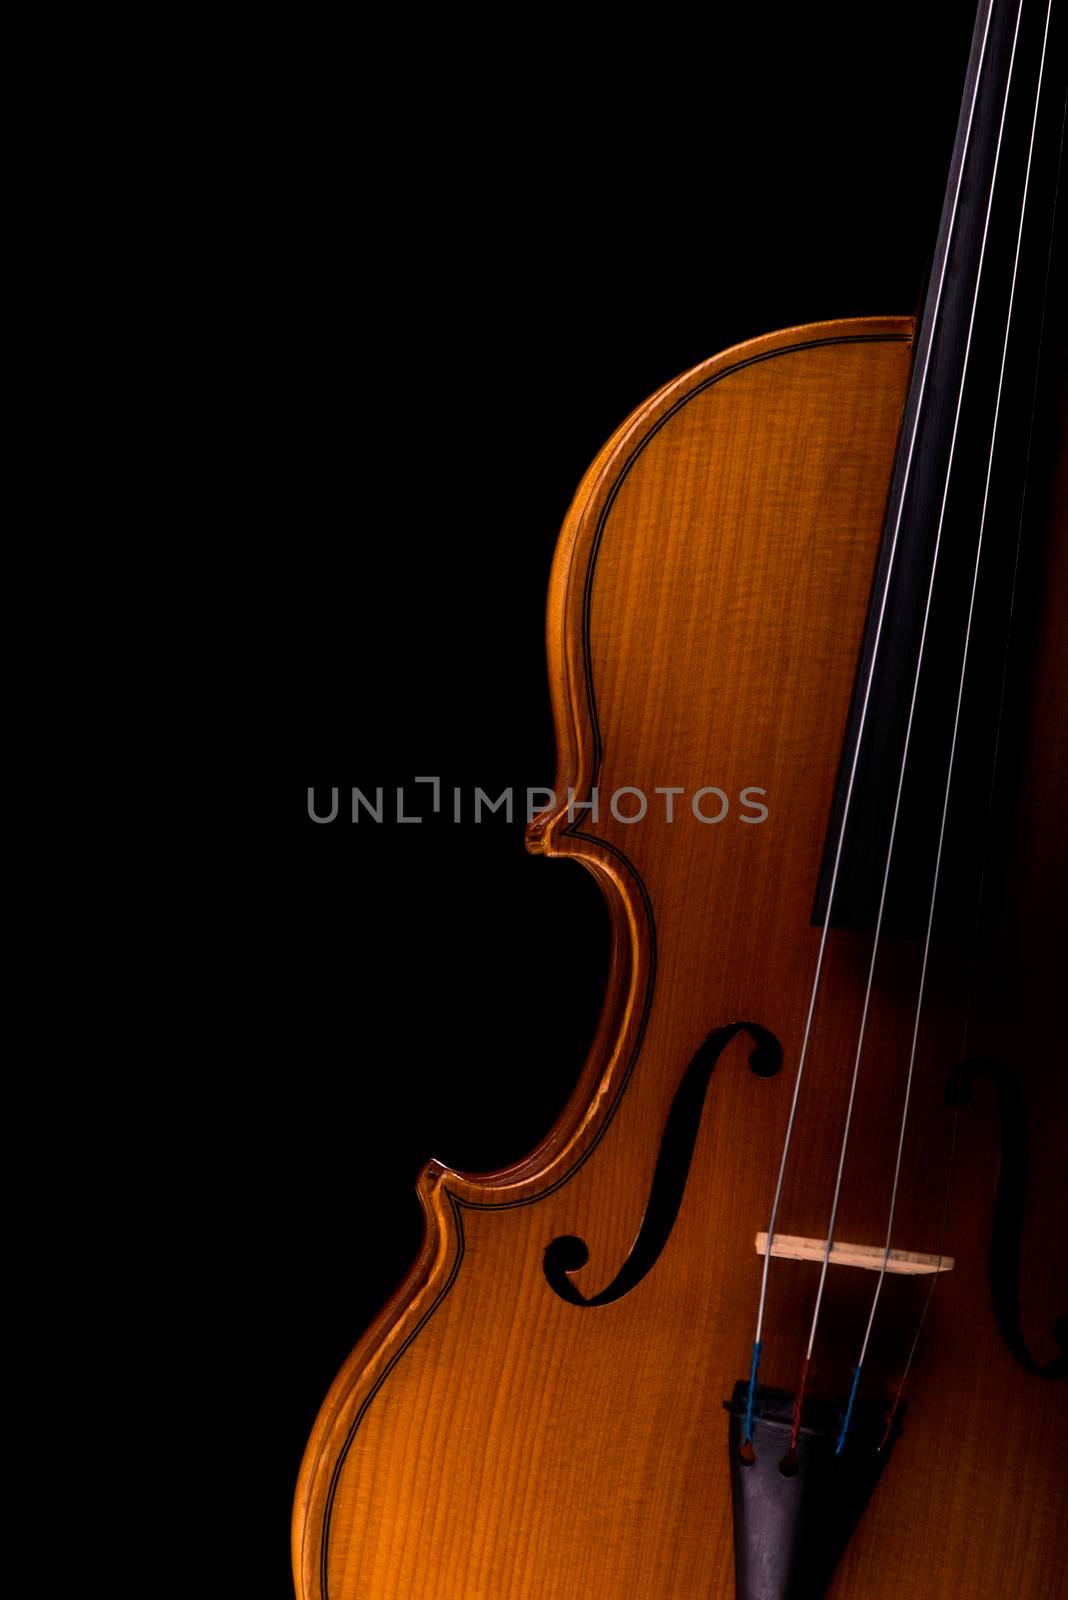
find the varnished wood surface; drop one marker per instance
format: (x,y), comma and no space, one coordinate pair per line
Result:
(489,1439)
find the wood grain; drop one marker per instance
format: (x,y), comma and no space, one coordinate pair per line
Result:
(488,1440)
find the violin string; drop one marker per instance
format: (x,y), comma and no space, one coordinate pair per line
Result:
(821,952)
(895,1404)
(865,1011)
(960,699)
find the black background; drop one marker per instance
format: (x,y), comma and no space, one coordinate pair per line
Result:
(439,282)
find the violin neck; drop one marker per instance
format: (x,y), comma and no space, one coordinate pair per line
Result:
(942,596)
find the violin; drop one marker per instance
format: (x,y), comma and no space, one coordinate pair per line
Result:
(777,1309)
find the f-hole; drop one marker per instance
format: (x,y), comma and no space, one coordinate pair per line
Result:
(568,1253)
(1009,1202)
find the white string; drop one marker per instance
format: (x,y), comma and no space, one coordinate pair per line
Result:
(956,720)
(905,750)
(921,394)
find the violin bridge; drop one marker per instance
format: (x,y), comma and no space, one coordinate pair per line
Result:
(911,1263)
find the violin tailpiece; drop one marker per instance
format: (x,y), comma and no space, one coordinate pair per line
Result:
(794,1511)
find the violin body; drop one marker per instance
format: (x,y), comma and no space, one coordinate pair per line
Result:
(538,1414)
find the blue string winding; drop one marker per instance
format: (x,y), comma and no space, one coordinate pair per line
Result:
(840,1446)
(748,1427)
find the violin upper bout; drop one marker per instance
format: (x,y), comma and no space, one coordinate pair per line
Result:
(726,532)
